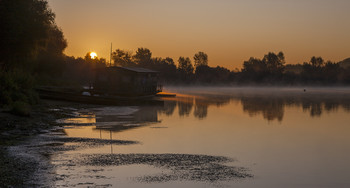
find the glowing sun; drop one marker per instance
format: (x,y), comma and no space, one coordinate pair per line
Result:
(93,55)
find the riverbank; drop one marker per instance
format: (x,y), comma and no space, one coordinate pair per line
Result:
(16,130)
(28,143)
(42,153)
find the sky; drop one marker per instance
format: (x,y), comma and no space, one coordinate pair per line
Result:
(229,31)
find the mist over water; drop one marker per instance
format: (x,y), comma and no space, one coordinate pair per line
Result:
(270,137)
(267,101)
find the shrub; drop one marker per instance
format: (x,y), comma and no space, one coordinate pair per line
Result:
(17,89)
(20,108)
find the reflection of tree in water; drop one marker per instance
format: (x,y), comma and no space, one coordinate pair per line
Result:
(270,108)
(168,108)
(315,108)
(202,104)
(185,106)
(329,106)
(318,104)
(200,111)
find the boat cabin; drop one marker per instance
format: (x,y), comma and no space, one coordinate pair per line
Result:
(126,81)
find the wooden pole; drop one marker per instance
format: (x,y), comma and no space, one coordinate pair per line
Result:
(110,57)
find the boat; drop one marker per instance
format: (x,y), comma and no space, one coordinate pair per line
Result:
(113,86)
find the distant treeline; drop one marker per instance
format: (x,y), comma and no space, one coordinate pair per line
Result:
(270,70)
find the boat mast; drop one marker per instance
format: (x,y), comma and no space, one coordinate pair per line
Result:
(110,57)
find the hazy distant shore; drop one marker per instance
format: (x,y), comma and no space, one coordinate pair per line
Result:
(233,90)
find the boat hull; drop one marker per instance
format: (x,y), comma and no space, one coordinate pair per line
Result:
(102,100)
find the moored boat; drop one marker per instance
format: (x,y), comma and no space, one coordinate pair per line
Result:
(113,86)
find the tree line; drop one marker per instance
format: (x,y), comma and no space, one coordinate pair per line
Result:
(270,70)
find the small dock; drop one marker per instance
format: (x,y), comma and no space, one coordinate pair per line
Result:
(164,94)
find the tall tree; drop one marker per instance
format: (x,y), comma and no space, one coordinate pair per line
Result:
(166,68)
(185,68)
(30,44)
(50,59)
(313,71)
(143,57)
(200,59)
(274,62)
(169,61)
(185,65)
(316,61)
(268,69)
(254,66)
(25,29)
(122,58)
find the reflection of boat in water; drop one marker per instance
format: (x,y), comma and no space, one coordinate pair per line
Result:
(114,86)
(145,115)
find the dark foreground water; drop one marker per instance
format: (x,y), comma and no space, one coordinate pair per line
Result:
(221,137)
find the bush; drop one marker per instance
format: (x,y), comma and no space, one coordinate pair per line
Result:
(17,86)
(20,108)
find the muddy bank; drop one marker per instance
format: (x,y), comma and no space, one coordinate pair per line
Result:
(26,143)
(42,117)
(33,157)
(47,157)
(16,171)
(37,159)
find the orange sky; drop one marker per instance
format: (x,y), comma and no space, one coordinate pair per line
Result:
(229,31)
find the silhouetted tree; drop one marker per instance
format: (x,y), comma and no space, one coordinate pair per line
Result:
(122,58)
(166,68)
(209,75)
(31,44)
(204,74)
(143,57)
(96,62)
(50,60)
(269,69)
(200,59)
(344,75)
(185,68)
(26,26)
(254,65)
(316,61)
(274,62)
(169,61)
(313,70)
(254,70)
(331,72)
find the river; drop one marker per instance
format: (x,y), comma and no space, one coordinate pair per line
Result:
(213,137)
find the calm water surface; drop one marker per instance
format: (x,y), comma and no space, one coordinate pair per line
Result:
(282,137)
